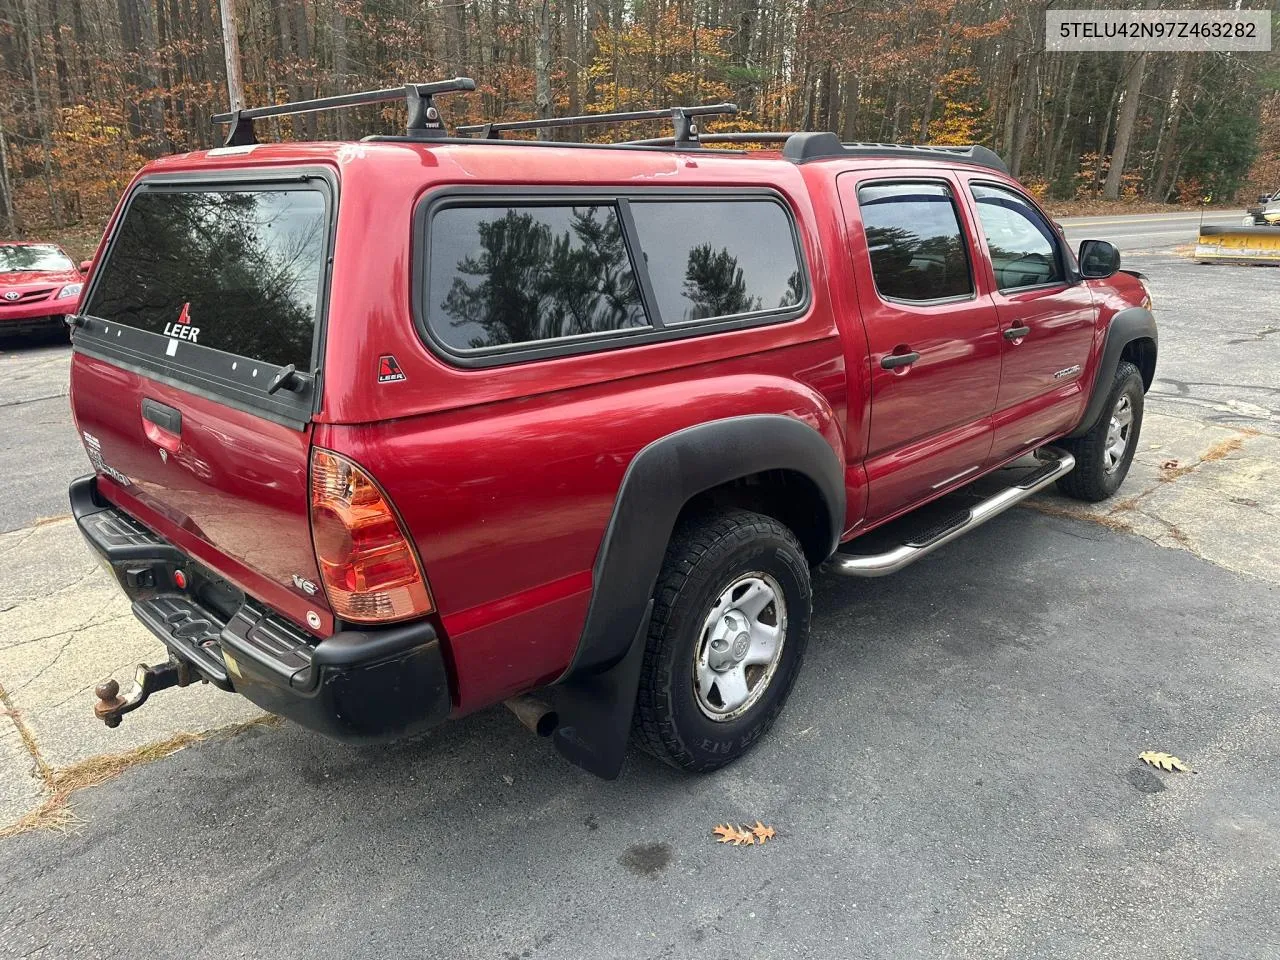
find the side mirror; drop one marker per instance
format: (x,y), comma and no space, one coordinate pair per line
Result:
(1098,259)
(85,265)
(1263,199)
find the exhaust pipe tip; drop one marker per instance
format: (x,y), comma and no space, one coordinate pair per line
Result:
(537,716)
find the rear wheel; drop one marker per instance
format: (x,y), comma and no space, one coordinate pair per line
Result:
(1103,455)
(730,623)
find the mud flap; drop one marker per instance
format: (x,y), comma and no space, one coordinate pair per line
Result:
(595,710)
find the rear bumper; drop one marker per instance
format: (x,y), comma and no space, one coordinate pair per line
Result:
(359,686)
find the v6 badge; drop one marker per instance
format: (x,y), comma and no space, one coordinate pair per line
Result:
(389,370)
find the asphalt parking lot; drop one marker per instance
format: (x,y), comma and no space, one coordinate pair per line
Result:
(956,773)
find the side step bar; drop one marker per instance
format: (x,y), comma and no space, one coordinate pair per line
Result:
(891,561)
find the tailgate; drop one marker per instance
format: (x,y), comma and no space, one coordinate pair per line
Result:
(194,373)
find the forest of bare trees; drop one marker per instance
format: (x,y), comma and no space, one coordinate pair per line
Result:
(90,89)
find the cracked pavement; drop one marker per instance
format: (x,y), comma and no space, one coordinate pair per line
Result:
(955,775)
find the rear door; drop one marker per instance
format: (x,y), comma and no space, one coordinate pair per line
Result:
(932,333)
(1047,320)
(194,371)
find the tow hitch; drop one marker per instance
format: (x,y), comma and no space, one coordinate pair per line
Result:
(111,707)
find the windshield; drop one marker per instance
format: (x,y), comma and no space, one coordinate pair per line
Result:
(18,258)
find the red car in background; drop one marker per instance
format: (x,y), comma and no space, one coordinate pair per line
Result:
(39,286)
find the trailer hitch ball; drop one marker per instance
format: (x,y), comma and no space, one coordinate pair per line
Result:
(107,709)
(111,707)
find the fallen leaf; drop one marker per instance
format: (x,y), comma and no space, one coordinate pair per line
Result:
(1169,465)
(725,833)
(1163,761)
(743,836)
(763,833)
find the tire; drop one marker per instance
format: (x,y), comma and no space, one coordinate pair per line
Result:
(1096,476)
(743,556)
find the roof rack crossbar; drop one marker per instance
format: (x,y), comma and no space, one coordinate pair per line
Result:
(686,127)
(424,117)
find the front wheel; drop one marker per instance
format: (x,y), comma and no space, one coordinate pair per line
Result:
(1103,455)
(729,628)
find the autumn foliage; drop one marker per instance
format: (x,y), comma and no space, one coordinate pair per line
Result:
(91,89)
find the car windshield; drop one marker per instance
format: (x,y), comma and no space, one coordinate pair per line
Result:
(18,258)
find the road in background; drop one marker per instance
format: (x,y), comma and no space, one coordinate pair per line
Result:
(1147,231)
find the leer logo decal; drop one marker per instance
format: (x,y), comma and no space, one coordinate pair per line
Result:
(389,370)
(181,329)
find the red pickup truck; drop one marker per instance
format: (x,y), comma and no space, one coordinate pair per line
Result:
(390,431)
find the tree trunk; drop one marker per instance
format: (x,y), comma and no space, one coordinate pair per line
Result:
(597,14)
(1055,154)
(542,66)
(231,54)
(852,94)
(6,189)
(1168,148)
(1031,84)
(153,97)
(306,65)
(1103,143)
(338,28)
(572,52)
(42,118)
(1124,126)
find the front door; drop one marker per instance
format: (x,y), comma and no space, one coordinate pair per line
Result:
(1047,321)
(932,334)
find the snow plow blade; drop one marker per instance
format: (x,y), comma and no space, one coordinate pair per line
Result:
(1254,244)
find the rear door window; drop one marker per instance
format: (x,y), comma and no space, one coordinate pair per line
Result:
(709,259)
(236,270)
(518,274)
(917,247)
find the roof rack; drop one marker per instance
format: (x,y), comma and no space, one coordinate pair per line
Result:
(812,146)
(424,117)
(686,127)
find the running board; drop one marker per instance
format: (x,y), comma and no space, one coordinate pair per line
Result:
(955,525)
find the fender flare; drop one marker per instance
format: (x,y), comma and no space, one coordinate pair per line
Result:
(659,481)
(595,697)
(1130,324)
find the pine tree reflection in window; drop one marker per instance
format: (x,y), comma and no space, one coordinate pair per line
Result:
(714,285)
(718,258)
(914,240)
(247,262)
(515,275)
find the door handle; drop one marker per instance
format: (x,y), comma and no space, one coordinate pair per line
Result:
(1016,333)
(162,415)
(891,361)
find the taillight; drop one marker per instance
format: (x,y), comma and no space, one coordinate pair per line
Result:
(369,568)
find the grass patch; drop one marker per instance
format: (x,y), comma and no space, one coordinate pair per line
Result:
(1219,451)
(54,814)
(1222,448)
(1102,519)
